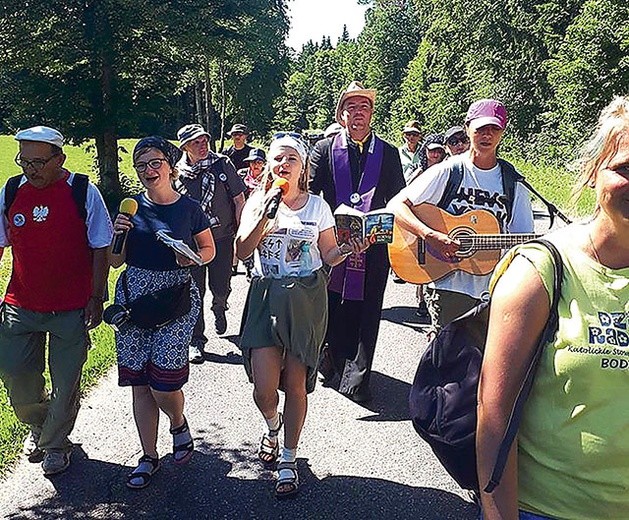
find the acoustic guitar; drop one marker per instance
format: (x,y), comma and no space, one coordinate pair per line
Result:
(477,231)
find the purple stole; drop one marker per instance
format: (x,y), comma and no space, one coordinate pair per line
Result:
(348,278)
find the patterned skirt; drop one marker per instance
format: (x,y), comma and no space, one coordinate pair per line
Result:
(157,358)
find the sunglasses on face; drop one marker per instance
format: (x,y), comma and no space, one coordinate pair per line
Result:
(153,164)
(455,141)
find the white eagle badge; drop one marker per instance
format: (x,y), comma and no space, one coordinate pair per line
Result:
(40,213)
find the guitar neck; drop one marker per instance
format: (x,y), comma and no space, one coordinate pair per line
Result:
(502,241)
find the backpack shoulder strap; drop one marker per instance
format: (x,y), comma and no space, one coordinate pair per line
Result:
(79,193)
(510,176)
(10,191)
(452,186)
(547,335)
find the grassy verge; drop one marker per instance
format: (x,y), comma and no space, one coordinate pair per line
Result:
(553,183)
(556,185)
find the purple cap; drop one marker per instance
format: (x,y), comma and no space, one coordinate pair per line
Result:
(486,112)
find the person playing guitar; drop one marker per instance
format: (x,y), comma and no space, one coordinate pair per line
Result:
(475,180)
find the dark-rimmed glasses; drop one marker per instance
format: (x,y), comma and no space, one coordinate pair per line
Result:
(154,164)
(455,141)
(35,164)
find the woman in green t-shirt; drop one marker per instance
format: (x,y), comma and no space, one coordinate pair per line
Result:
(572,460)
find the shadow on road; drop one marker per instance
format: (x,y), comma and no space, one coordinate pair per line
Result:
(390,399)
(204,488)
(406,316)
(231,358)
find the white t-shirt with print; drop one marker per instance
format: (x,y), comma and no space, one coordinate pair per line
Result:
(291,248)
(480,189)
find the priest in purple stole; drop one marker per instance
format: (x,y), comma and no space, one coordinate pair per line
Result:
(358,169)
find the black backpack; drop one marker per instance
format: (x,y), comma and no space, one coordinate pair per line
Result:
(79,193)
(443,397)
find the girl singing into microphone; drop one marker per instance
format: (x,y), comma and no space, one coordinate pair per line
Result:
(285,318)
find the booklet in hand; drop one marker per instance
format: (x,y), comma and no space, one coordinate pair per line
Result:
(376,225)
(179,246)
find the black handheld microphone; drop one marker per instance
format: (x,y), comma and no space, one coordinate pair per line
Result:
(128,207)
(282,184)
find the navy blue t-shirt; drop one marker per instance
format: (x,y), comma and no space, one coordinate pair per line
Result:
(181,220)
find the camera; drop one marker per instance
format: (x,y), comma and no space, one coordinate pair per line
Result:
(115,315)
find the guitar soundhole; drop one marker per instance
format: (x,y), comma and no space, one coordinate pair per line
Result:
(465,236)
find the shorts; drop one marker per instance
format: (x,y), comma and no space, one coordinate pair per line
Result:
(157,358)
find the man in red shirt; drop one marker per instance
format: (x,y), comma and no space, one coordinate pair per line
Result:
(57,289)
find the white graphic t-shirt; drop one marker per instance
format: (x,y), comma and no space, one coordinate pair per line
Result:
(480,189)
(291,248)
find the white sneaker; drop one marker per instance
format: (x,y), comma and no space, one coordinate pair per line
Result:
(55,462)
(31,446)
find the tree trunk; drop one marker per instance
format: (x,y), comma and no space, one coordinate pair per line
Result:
(98,33)
(107,160)
(106,138)
(221,76)
(209,108)
(198,98)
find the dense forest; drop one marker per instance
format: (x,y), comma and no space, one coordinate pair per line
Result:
(116,68)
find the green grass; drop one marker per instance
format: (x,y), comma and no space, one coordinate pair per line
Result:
(551,182)
(556,184)
(102,355)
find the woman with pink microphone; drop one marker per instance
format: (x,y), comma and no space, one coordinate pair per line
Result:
(291,234)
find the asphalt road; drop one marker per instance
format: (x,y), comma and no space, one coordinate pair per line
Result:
(354,461)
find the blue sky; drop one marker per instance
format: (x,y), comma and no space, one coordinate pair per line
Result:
(312,19)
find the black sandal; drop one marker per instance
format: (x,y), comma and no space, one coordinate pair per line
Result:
(144,476)
(290,480)
(186,447)
(269,451)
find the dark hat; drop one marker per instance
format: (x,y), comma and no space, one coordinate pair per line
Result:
(255,155)
(170,151)
(453,131)
(189,133)
(239,128)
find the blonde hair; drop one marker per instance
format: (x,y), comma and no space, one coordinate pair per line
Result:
(266,182)
(612,123)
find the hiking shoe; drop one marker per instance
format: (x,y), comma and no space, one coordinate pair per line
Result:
(397,279)
(196,354)
(31,446)
(220,321)
(55,462)
(422,311)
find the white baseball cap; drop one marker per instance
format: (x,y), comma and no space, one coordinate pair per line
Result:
(41,134)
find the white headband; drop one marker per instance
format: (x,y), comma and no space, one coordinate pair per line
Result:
(291,142)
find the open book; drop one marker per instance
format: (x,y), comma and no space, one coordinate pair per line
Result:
(179,246)
(376,225)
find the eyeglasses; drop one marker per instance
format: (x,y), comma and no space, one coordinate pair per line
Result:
(455,141)
(153,164)
(35,164)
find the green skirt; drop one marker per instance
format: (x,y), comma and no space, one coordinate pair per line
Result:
(290,313)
